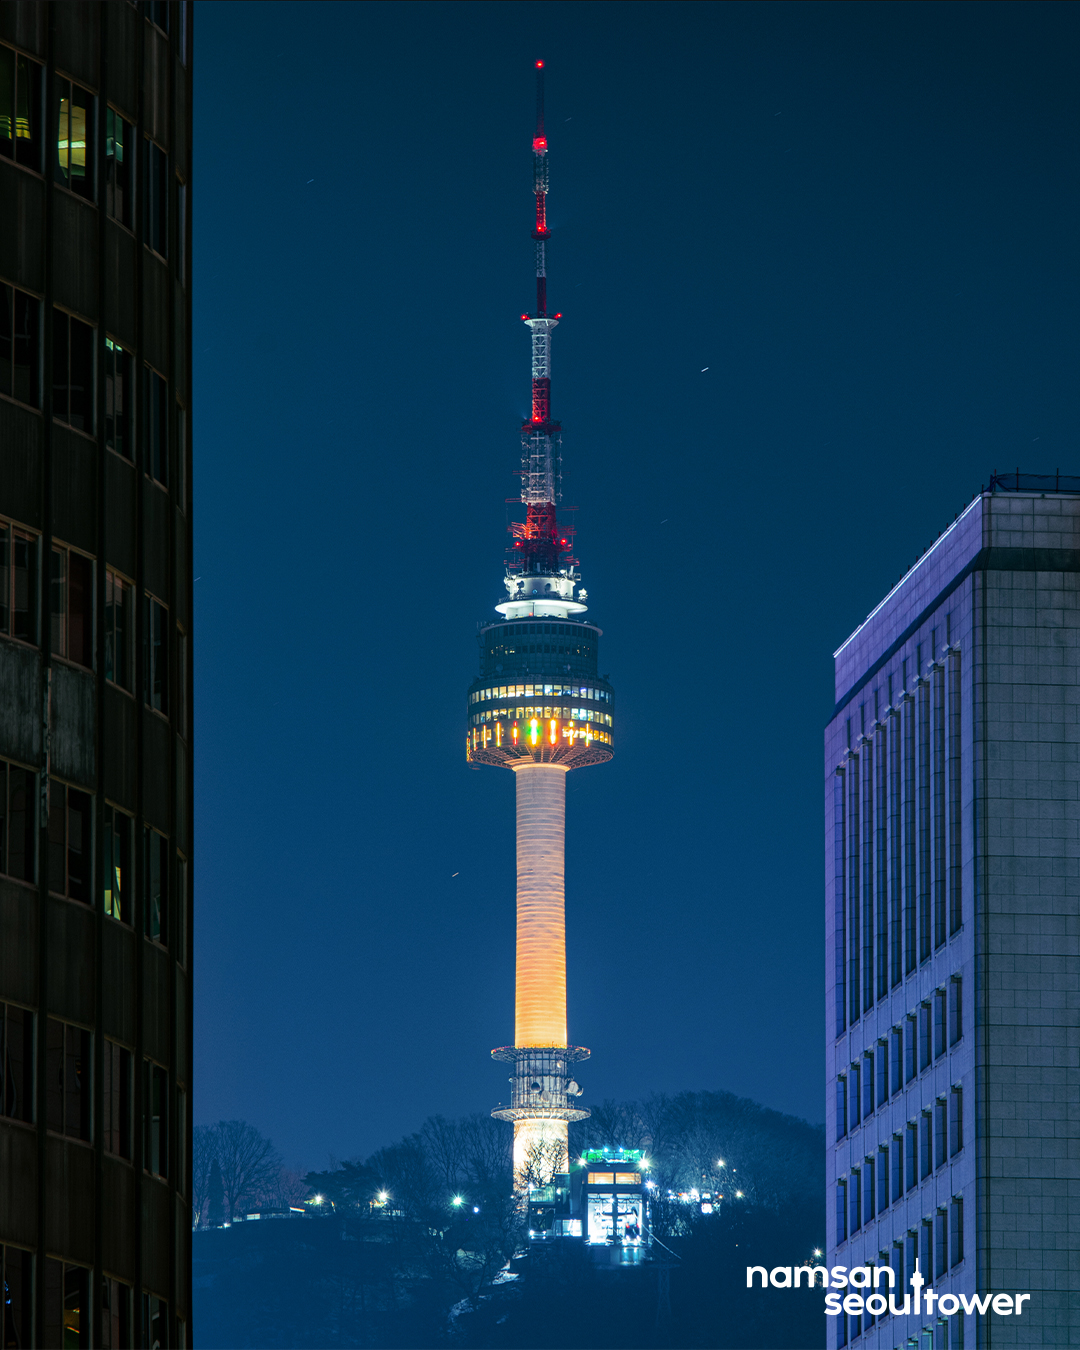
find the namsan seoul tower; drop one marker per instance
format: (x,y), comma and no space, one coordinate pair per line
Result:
(539,708)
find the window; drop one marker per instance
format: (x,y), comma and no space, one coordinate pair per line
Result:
(181,233)
(156,1120)
(883,1177)
(897,1264)
(18,583)
(868,1084)
(157,11)
(939,1023)
(956,1231)
(156,654)
(18,821)
(956,1009)
(924,1036)
(956,1120)
(841,1107)
(856,1200)
(17,1273)
(909,1048)
(841,1211)
(155,885)
(155,426)
(116,1098)
(911,1144)
(117,892)
(941,1243)
(181,458)
(940,1137)
(20,109)
(182,683)
(67,1305)
(118,400)
(20,316)
(115,1314)
(67,1086)
(882,1072)
(853,1096)
(926,1152)
(75,139)
(897,1166)
(182,910)
(869,1208)
(118,613)
(155,1310)
(73,371)
(896,1060)
(911,1254)
(156,197)
(16,1062)
(69,842)
(926,1249)
(118,139)
(71,606)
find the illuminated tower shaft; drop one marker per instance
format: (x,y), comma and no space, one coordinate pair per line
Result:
(540,709)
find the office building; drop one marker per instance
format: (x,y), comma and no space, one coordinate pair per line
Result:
(95,672)
(953,932)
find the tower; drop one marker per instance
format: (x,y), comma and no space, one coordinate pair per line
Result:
(539,708)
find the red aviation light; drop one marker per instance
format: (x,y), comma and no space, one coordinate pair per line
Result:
(539,144)
(539,65)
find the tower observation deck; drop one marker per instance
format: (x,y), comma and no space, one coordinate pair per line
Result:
(539,708)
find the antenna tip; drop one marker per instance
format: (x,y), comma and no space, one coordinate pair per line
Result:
(539,65)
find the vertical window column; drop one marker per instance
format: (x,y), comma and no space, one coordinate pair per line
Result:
(911,959)
(955,813)
(841,1211)
(911,1156)
(881,858)
(896,899)
(922,800)
(839,954)
(883,1177)
(866,771)
(20,339)
(937,792)
(956,1120)
(854,984)
(841,1106)
(882,1071)
(956,1009)
(897,1155)
(956,1231)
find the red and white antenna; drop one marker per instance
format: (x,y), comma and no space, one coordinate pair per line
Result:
(540,563)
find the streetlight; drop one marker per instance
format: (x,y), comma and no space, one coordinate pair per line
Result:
(457,1200)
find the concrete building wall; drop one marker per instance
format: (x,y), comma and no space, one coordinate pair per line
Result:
(987,623)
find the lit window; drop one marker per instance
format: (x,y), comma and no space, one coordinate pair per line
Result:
(118,399)
(117,894)
(75,139)
(69,842)
(71,606)
(16,1062)
(118,145)
(156,654)
(67,1079)
(20,321)
(73,371)
(119,608)
(20,109)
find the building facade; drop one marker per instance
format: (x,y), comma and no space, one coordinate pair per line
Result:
(95,673)
(953,930)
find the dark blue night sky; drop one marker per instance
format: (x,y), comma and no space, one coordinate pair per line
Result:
(861,218)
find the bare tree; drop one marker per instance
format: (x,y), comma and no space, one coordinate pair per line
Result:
(249,1165)
(543,1160)
(446,1147)
(202,1157)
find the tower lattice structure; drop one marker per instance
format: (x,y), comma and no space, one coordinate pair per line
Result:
(539,708)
